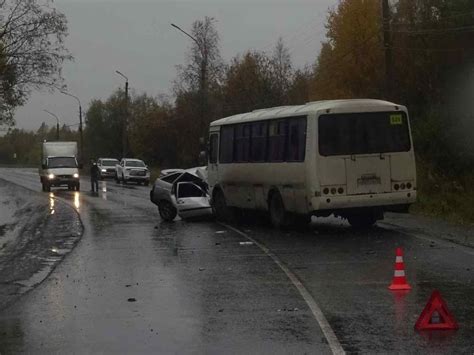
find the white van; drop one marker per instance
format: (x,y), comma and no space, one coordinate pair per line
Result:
(59,165)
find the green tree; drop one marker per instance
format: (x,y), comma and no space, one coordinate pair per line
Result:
(32,52)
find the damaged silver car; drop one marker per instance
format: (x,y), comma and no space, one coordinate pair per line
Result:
(183,193)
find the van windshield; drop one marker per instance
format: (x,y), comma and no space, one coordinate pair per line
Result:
(62,162)
(363,133)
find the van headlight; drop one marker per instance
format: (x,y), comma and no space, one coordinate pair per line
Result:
(103,170)
(75,176)
(51,176)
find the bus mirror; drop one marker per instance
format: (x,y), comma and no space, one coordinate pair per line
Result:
(202,141)
(44,166)
(80,166)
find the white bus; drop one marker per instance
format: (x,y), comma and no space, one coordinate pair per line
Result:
(350,158)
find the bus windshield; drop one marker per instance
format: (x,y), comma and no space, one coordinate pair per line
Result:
(363,133)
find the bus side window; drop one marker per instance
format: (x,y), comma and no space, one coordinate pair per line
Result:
(258,145)
(277,133)
(213,148)
(242,143)
(297,139)
(226,151)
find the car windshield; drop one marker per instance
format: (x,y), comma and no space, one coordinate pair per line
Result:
(109,162)
(62,162)
(135,163)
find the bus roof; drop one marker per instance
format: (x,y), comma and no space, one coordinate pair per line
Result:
(334,106)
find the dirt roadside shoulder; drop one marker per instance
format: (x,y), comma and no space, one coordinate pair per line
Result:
(36,232)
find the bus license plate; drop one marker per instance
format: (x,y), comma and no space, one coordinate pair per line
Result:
(369,180)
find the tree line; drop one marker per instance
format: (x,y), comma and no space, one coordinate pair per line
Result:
(431,72)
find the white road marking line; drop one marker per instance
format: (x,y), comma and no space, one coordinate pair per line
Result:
(331,337)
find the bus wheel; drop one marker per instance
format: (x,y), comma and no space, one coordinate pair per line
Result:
(362,220)
(278,216)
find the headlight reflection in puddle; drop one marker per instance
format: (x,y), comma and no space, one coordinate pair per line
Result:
(77,201)
(104,190)
(51,203)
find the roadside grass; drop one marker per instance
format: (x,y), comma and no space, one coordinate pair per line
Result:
(448,198)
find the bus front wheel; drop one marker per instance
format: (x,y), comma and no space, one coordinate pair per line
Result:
(220,208)
(278,215)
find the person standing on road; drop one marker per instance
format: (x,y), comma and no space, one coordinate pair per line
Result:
(94,177)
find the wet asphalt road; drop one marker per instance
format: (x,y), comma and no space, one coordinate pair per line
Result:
(133,284)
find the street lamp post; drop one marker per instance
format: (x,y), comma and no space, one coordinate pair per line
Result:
(125,117)
(80,121)
(202,83)
(57,123)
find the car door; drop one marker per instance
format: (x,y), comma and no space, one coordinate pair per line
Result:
(191,200)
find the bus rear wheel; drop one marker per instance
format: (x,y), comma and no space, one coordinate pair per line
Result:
(279,217)
(362,221)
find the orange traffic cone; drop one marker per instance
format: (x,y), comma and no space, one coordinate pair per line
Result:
(399,281)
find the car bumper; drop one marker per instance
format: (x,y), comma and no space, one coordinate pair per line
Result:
(63,181)
(106,174)
(331,202)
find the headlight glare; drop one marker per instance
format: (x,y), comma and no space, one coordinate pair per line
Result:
(51,176)
(76,176)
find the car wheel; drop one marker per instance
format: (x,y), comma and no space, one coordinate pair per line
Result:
(167,211)
(278,215)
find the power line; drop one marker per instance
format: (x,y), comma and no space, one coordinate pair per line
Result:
(437,30)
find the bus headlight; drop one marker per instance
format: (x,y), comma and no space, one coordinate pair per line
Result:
(51,176)
(76,176)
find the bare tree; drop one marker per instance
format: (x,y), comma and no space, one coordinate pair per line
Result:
(282,70)
(204,67)
(32,50)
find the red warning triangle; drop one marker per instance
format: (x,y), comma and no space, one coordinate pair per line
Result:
(436,315)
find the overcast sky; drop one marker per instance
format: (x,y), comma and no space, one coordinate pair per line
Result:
(136,38)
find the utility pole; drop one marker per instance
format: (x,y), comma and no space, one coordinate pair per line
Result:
(387,42)
(80,122)
(57,123)
(203,76)
(124,118)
